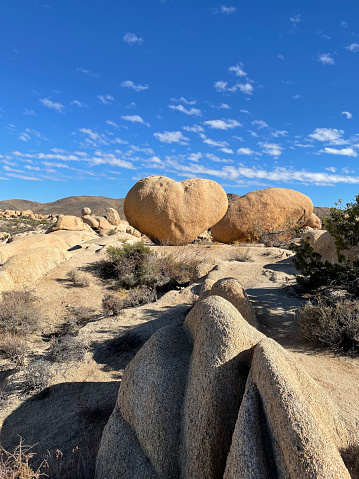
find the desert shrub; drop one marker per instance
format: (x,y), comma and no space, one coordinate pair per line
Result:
(78,279)
(13,347)
(36,377)
(19,312)
(67,348)
(272,236)
(333,326)
(77,318)
(16,465)
(137,265)
(112,232)
(242,256)
(112,305)
(342,223)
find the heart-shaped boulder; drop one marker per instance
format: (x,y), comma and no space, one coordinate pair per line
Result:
(174,213)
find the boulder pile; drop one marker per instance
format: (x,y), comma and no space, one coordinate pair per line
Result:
(268,210)
(174,213)
(215,398)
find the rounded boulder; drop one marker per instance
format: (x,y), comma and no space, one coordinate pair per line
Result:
(174,213)
(268,210)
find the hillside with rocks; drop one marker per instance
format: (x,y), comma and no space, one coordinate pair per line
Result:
(149,350)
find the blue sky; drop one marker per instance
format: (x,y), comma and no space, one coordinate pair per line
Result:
(97,94)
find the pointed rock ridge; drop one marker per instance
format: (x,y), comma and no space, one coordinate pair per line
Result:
(174,213)
(287,426)
(149,407)
(231,290)
(214,398)
(222,350)
(271,209)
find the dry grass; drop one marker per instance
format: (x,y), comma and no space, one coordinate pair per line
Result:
(66,349)
(19,312)
(13,347)
(331,326)
(81,280)
(16,465)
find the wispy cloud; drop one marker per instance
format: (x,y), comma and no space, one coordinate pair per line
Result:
(354,47)
(245,151)
(29,112)
(278,133)
(342,152)
(112,123)
(52,104)
(135,119)
(271,149)
(296,18)
(238,70)
(78,103)
(245,88)
(280,56)
(326,59)
(132,39)
(186,111)
(87,72)
(330,135)
(133,86)
(224,9)
(222,124)
(222,87)
(260,124)
(171,137)
(208,141)
(348,115)
(106,99)
(183,100)
(194,128)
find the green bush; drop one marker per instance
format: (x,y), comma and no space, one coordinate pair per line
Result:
(333,326)
(342,223)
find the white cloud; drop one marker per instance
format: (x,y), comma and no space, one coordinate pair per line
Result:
(133,86)
(195,156)
(280,56)
(24,136)
(222,86)
(229,151)
(171,137)
(112,123)
(348,115)
(132,39)
(342,152)
(182,109)
(222,124)
(208,141)
(238,70)
(228,10)
(246,88)
(29,112)
(245,151)
(23,177)
(330,135)
(52,104)
(260,124)
(354,47)
(297,96)
(278,133)
(135,119)
(271,149)
(78,103)
(296,18)
(326,59)
(332,169)
(194,128)
(87,72)
(106,99)
(245,111)
(184,100)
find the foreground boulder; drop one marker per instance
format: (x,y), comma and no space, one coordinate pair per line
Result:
(313,222)
(215,398)
(261,211)
(67,222)
(174,213)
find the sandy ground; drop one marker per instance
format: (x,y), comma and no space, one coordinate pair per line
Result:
(82,394)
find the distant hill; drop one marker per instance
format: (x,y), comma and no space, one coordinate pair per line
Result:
(71,205)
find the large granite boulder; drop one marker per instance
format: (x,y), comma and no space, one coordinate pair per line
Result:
(174,213)
(261,211)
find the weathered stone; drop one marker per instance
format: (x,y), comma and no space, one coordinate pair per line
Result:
(113,217)
(314,222)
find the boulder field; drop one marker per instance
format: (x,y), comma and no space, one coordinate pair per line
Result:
(174,213)
(215,398)
(271,209)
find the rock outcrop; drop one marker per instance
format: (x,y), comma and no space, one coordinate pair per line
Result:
(313,222)
(70,223)
(113,217)
(174,213)
(272,209)
(215,398)
(322,243)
